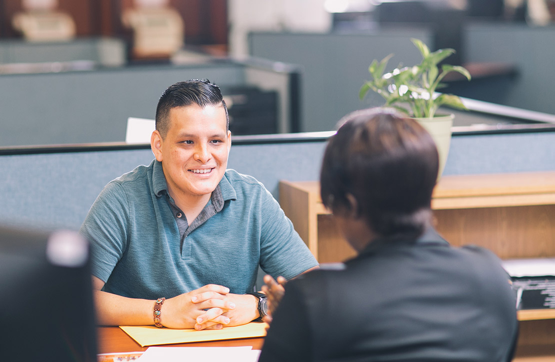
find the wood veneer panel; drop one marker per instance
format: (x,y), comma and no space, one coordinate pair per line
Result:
(495,184)
(194,16)
(537,333)
(510,232)
(332,247)
(312,187)
(537,353)
(493,201)
(218,21)
(295,204)
(83,14)
(536,314)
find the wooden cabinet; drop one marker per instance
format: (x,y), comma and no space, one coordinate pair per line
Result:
(511,214)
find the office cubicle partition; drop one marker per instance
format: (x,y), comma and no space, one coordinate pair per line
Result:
(92,106)
(336,65)
(98,51)
(56,185)
(511,61)
(528,49)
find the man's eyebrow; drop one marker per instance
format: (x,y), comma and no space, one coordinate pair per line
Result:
(192,135)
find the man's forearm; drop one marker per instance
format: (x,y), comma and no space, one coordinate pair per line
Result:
(115,310)
(211,305)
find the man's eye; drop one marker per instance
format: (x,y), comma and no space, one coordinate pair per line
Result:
(188,142)
(216,141)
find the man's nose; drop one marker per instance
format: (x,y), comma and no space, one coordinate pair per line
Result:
(202,154)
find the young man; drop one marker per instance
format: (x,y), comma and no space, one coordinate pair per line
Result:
(178,243)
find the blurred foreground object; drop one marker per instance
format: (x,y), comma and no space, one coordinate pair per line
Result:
(41,22)
(46,308)
(158,30)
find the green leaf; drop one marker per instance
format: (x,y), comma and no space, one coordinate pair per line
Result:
(417,89)
(432,74)
(441,85)
(447,69)
(458,69)
(403,76)
(372,68)
(363,90)
(437,56)
(393,99)
(419,107)
(424,50)
(381,68)
(450,101)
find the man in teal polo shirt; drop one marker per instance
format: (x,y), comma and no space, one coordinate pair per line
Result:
(178,243)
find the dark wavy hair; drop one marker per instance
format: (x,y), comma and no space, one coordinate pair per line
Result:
(389,163)
(181,94)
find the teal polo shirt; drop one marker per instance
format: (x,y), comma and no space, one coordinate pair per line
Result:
(143,248)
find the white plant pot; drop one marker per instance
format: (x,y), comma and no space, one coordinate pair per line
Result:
(439,128)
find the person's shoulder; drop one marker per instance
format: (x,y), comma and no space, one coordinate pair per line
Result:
(138,173)
(241,180)
(126,183)
(132,179)
(324,273)
(319,282)
(477,252)
(482,262)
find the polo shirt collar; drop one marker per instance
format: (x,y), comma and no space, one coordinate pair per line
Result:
(159,184)
(227,190)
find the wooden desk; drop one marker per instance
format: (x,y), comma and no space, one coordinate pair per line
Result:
(114,340)
(511,214)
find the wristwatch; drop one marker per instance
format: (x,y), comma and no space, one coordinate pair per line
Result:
(262,303)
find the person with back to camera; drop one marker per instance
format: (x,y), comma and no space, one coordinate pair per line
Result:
(186,229)
(408,295)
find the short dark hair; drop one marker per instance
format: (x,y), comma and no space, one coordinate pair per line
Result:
(182,94)
(389,163)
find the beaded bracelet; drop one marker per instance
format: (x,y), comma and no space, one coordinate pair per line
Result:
(158,312)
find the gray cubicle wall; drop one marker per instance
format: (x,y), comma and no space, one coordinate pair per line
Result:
(335,66)
(91,106)
(57,189)
(104,51)
(76,107)
(530,49)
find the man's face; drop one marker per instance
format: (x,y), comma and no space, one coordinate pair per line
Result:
(195,150)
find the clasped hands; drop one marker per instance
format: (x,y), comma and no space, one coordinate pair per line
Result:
(213,306)
(209,307)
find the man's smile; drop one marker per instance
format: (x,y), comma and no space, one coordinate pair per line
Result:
(202,170)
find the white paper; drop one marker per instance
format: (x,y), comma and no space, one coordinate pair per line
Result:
(181,354)
(139,130)
(530,267)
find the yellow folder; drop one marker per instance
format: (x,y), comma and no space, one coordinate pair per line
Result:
(151,336)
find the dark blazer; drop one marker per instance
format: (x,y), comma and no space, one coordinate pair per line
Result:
(409,300)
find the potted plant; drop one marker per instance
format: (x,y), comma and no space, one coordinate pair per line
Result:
(412,90)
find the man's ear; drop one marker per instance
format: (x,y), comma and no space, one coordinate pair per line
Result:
(228,142)
(156,145)
(353,212)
